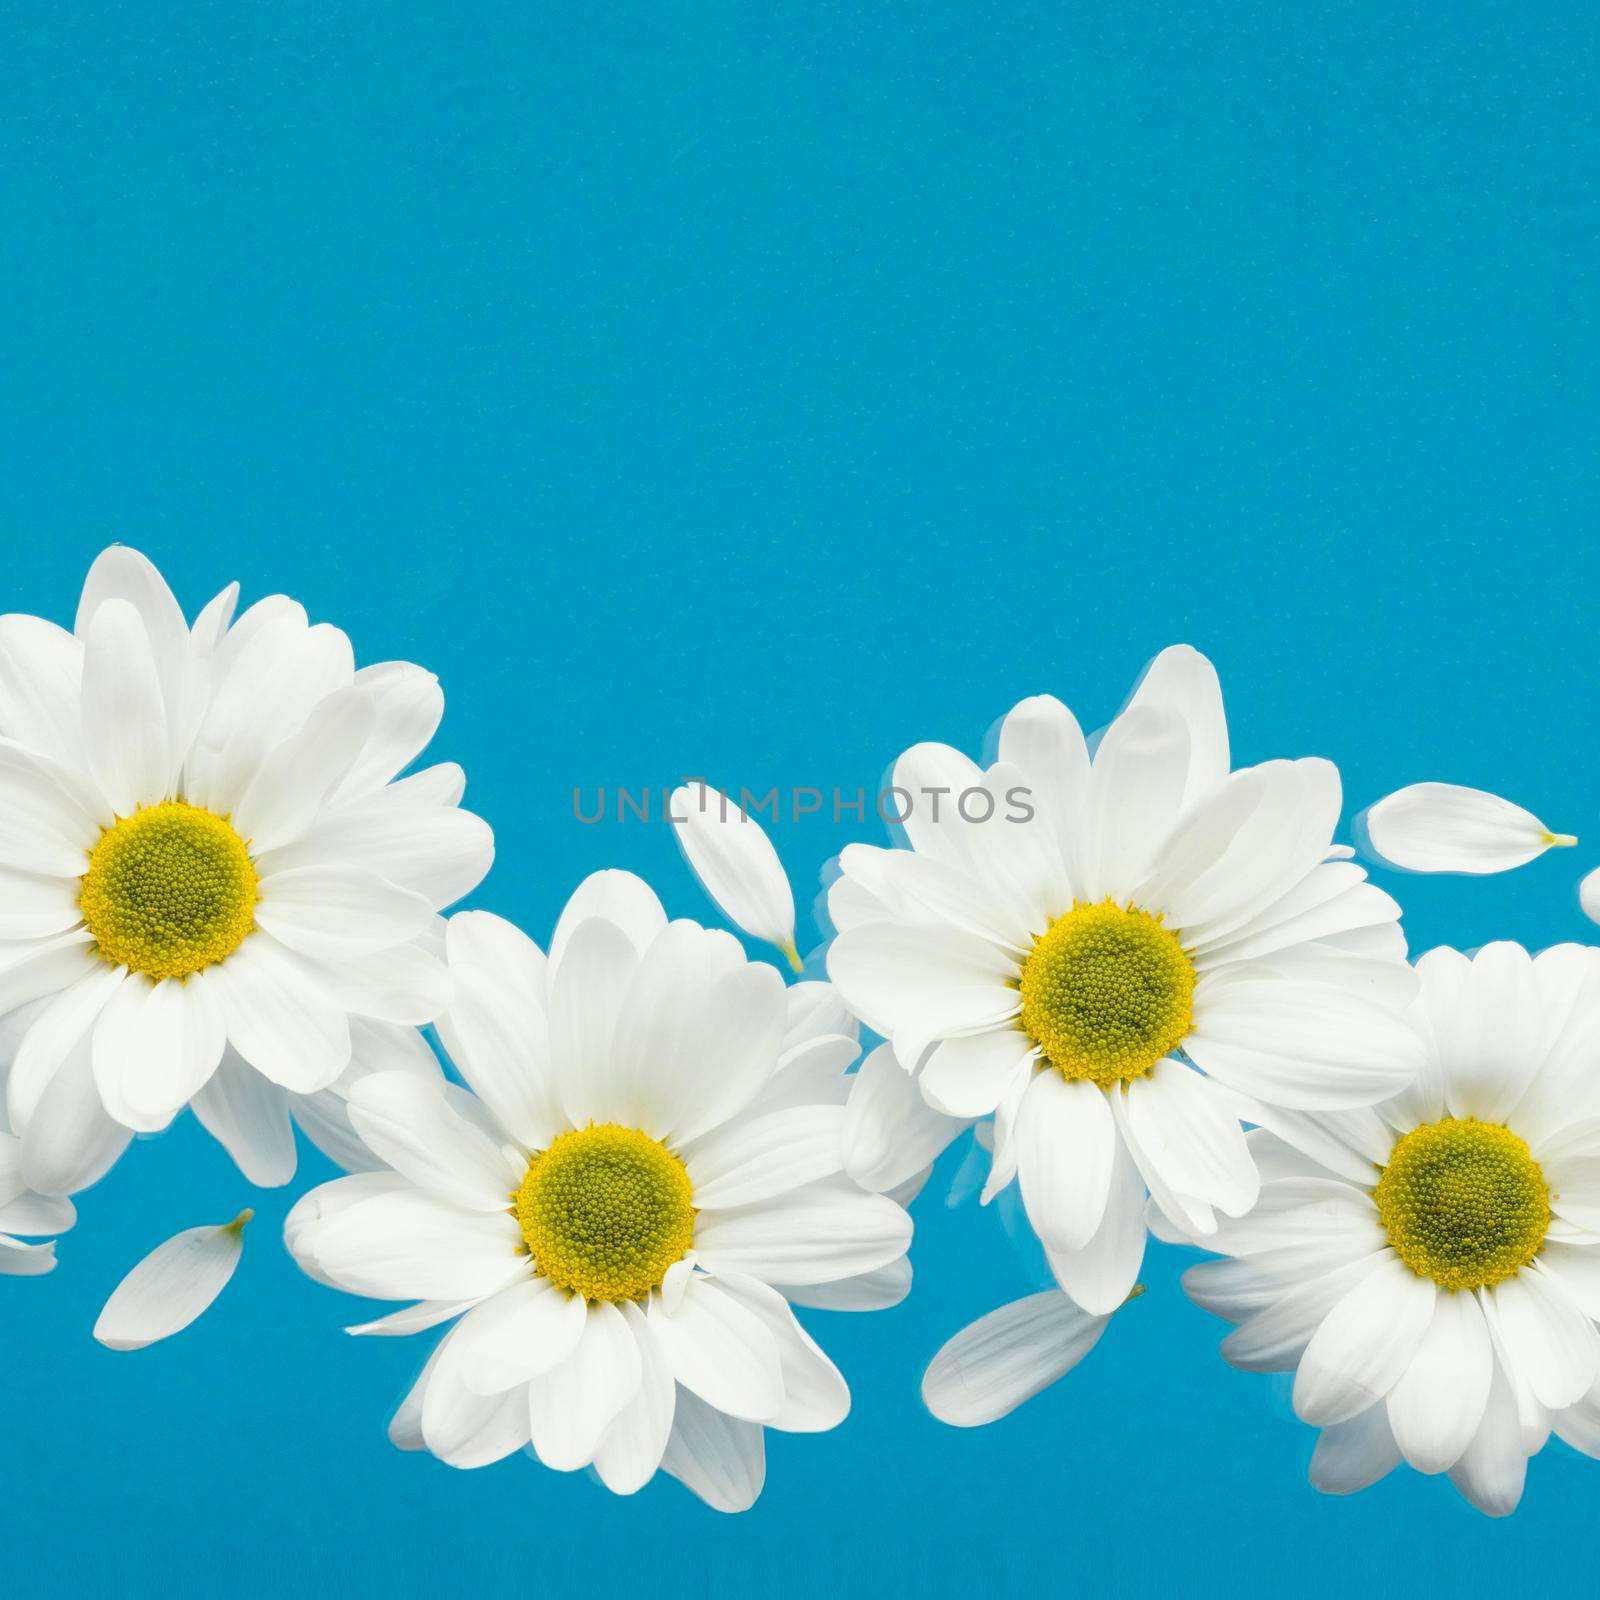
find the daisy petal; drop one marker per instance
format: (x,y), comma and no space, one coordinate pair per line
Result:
(1185,1126)
(1182,681)
(18,1260)
(408,705)
(1578,1425)
(54,1029)
(1305,1046)
(123,575)
(968,1077)
(1066,1142)
(1274,1337)
(410,1124)
(878,1290)
(124,714)
(437,851)
(597,961)
(41,675)
(171,1287)
(264,688)
(1135,794)
(1042,739)
(931,981)
(43,967)
(1443,827)
(48,823)
(1353,1455)
(754,1158)
(992,1366)
(278,1021)
(411,1319)
(1589,895)
(720,1350)
(1574,1189)
(499,1039)
(1488,1042)
(215,617)
(736,864)
(1364,1344)
(1547,1340)
(890,1131)
(1101,1275)
(249,1117)
(633,1445)
(660,1042)
(1491,1470)
(73,1141)
(293,782)
(824,1232)
(397,1243)
(34,906)
(481,939)
(620,898)
(815,1396)
(339,912)
(1577,1270)
(154,1046)
(1436,1407)
(459,1426)
(715,1456)
(525,1330)
(740,1050)
(571,1406)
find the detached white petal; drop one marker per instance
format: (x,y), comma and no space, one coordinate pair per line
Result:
(1589,895)
(172,1286)
(1442,827)
(991,1367)
(736,865)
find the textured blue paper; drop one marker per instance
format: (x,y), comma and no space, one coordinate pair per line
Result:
(752,391)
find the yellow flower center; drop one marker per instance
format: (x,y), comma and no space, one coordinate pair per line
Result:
(1463,1203)
(169,891)
(1106,993)
(605,1211)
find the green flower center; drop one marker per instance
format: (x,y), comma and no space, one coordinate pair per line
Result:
(605,1211)
(1463,1203)
(169,891)
(1106,993)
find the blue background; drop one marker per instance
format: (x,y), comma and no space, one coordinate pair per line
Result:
(751,391)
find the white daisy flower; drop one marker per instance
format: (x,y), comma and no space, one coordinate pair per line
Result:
(1430,1270)
(207,868)
(22,1209)
(1118,957)
(645,1176)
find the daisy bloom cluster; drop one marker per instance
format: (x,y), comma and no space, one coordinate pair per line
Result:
(1430,1270)
(618,1218)
(1120,955)
(211,875)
